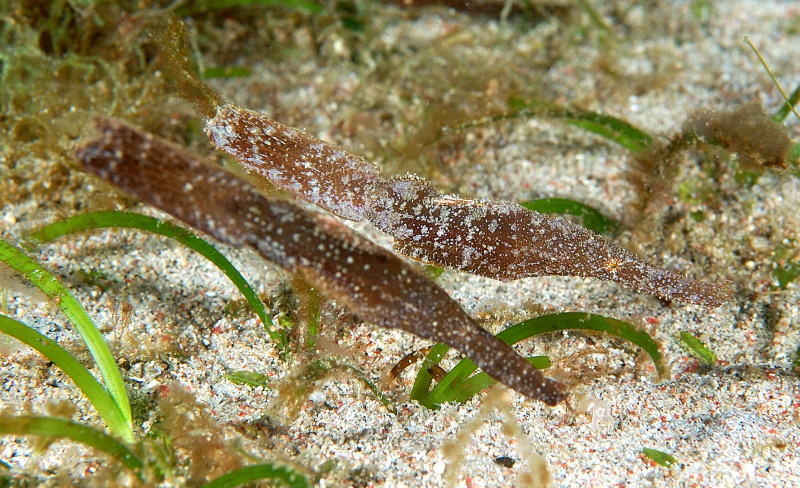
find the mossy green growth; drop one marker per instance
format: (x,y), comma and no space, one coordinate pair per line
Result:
(701,10)
(205,6)
(785,265)
(95,56)
(746,178)
(696,191)
(698,216)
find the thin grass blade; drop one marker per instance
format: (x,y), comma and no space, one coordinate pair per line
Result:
(87,383)
(612,128)
(267,471)
(464,390)
(191,8)
(83,324)
(592,218)
(587,321)
(697,348)
(65,429)
(102,220)
(419,392)
(452,384)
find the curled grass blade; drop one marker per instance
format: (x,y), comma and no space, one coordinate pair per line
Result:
(592,218)
(87,383)
(83,324)
(587,321)
(102,220)
(65,429)
(267,471)
(612,128)
(452,388)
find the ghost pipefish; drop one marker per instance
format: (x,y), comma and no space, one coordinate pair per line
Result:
(497,240)
(366,279)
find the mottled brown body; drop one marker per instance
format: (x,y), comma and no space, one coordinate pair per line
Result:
(506,241)
(317,172)
(366,279)
(493,239)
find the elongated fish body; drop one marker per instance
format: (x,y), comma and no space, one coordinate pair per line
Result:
(493,239)
(506,241)
(366,279)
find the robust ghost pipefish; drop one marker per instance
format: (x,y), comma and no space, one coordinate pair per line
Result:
(497,240)
(364,278)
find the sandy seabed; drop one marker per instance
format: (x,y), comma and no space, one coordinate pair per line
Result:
(734,424)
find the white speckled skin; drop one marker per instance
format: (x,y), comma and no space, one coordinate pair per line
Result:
(371,282)
(494,239)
